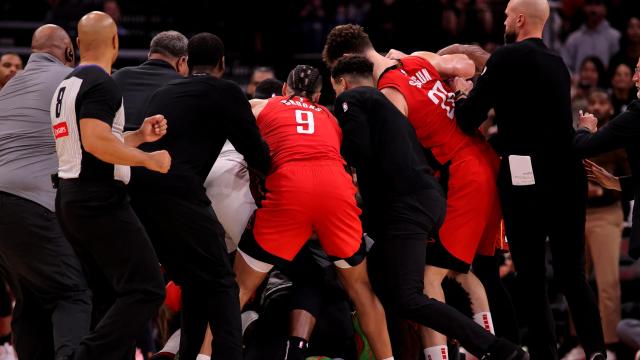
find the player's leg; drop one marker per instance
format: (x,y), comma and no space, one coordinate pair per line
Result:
(368,307)
(434,343)
(336,221)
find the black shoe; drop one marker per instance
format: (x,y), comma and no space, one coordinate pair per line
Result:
(504,350)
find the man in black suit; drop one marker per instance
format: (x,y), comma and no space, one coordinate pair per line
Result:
(167,61)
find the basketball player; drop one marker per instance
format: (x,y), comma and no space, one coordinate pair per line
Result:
(308,189)
(415,84)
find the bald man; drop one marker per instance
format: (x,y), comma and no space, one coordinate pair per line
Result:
(10,64)
(92,203)
(541,181)
(53,305)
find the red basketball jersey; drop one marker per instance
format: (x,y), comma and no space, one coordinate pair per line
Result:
(430,105)
(297,129)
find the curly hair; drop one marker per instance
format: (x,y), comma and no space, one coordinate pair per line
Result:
(345,39)
(357,65)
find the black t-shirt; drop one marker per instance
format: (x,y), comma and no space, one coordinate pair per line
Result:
(88,92)
(382,145)
(202,112)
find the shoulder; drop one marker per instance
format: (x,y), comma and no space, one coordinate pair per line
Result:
(122,73)
(634,107)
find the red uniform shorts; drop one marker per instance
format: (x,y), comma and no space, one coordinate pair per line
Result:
(473,220)
(305,197)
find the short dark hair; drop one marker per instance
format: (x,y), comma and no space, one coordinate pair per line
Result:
(345,39)
(11,53)
(169,43)
(355,65)
(266,89)
(205,49)
(304,80)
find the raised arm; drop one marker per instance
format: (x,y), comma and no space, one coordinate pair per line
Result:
(477,54)
(450,66)
(99,141)
(613,135)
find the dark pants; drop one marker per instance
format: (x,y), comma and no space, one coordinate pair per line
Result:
(398,259)
(190,243)
(121,266)
(53,301)
(505,321)
(555,210)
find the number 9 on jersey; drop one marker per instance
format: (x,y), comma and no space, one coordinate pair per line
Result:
(305,119)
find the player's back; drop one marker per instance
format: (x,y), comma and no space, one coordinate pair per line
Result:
(298,130)
(430,105)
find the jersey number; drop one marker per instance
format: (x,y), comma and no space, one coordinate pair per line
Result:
(305,119)
(440,96)
(59,101)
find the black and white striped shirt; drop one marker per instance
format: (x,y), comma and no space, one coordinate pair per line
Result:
(88,92)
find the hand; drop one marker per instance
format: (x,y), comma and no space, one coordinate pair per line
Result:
(394,54)
(599,175)
(257,187)
(594,190)
(153,128)
(588,121)
(462,85)
(159,161)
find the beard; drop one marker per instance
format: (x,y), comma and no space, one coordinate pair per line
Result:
(509,37)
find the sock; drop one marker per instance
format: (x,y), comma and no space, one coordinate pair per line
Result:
(439,352)
(389,358)
(203,357)
(173,344)
(484,319)
(296,348)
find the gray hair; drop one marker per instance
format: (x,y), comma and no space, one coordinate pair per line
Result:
(169,43)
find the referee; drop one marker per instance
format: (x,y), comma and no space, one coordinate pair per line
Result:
(53,301)
(542,182)
(92,203)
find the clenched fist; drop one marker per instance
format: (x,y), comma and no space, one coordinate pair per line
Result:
(159,161)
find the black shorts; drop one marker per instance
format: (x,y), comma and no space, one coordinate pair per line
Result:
(438,256)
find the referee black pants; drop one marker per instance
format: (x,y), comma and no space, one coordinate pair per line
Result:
(555,210)
(190,243)
(121,267)
(398,261)
(53,301)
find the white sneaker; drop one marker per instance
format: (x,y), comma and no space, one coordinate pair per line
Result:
(611,355)
(577,353)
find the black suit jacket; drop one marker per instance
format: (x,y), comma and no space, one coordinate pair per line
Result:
(621,132)
(138,83)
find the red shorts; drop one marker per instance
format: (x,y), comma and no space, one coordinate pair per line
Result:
(473,221)
(307,196)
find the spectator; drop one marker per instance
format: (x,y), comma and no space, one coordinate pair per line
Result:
(167,61)
(591,75)
(111,8)
(10,64)
(623,90)
(629,46)
(595,37)
(604,228)
(313,17)
(259,74)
